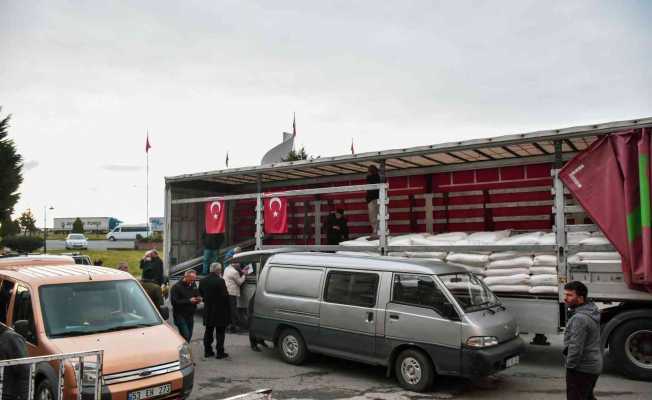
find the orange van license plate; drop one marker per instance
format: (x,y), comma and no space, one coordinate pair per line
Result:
(149,393)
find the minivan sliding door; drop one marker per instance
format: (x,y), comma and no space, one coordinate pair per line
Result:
(348,314)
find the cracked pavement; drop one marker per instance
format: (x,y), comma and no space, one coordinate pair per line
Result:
(539,376)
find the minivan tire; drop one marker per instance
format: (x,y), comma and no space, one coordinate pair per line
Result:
(44,391)
(292,347)
(414,370)
(111,238)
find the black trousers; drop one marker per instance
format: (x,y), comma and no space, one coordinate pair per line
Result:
(233,308)
(219,339)
(580,385)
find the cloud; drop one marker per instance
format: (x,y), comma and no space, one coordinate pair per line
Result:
(27,165)
(121,167)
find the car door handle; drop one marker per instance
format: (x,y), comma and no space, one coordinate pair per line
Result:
(370,317)
(393,317)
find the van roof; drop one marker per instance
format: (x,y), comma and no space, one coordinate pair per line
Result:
(368,263)
(36,259)
(56,274)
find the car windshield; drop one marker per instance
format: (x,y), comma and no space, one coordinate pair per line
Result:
(77,309)
(469,291)
(76,237)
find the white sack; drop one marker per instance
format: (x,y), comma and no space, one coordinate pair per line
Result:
(477,245)
(545,260)
(358,253)
(518,279)
(505,255)
(506,271)
(426,254)
(518,262)
(544,290)
(466,258)
(595,241)
(396,254)
(470,268)
(488,237)
(360,243)
(543,280)
(548,239)
(448,237)
(522,239)
(510,288)
(598,255)
(577,237)
(543,270)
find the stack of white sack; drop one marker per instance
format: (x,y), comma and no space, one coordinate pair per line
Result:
(543,279)
(474,261)
(418,239)
(508,272)
(595,257)
(471,262)
(360,242)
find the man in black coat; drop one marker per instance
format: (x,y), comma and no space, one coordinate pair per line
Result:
(184,297)
(216,311)
(152,265)
(16,378)
(337,229)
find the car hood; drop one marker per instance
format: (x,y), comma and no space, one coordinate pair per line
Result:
(129,349)
(496,322)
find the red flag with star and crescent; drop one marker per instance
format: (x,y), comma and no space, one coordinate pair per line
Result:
(214,216)
(276,215)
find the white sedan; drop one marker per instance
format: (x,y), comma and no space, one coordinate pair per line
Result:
(76,241)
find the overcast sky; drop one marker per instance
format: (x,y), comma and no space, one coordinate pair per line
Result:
(85,81)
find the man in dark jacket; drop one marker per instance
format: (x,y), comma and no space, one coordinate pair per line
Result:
(184,297)
(582,346)
(153,266)
(372,199)
(212,243)
(153,290)
(337,229)
(216,311)
(16,378)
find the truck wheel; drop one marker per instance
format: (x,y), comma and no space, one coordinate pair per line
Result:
(44,391)
(414,371)
(631,346)
(292,347)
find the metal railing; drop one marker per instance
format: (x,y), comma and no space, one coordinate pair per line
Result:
(264,394)
(79,374)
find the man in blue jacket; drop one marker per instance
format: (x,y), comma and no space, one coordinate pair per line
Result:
(582,345)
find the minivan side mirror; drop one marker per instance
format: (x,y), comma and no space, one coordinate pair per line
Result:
(22,328)
(165,312)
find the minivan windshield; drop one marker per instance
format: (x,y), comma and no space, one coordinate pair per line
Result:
(469,291)
(76,309)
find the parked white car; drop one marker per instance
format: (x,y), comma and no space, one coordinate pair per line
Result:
(76,241)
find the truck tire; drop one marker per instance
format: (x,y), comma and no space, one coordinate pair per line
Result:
(44,391)
(414,370)
(631,348)
(292,347)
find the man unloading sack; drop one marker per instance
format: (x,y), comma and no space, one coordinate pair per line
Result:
(582,348)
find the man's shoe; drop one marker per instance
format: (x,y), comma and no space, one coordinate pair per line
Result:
(262,343)
(221,356)
(255,348)
(207,355)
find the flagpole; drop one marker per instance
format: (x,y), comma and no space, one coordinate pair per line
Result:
(147,195)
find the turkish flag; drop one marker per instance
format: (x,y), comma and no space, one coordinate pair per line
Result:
(214,216)
(276,215)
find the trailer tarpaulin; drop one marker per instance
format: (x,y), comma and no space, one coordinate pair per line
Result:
(611,180)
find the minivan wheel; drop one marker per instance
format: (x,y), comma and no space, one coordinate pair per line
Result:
(44,391)
(292,347)
(414,371)
(111,238)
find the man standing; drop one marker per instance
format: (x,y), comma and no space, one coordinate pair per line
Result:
(16,378)
(184,297)
(582,346)
(372,200)
(337,229)
(152,289)
(234,278)
(153,265)
(212,243)
(216,311)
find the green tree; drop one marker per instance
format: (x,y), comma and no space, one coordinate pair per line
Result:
(23,244)
(296,155)
(27,222)
(11,164)
(9,228)
(78,226)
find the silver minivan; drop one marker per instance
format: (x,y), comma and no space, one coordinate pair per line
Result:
(418,318)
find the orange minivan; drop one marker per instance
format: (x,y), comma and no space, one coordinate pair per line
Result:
(65,308)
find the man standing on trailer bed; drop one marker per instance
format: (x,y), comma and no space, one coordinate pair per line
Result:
(582,346)
(372,200)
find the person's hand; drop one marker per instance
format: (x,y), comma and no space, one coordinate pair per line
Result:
(336,227)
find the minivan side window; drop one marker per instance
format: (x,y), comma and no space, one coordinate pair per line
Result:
(420,291)
(23,310)
(5,297)
(352,288)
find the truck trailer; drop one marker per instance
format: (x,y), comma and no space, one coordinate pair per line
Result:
(504,183)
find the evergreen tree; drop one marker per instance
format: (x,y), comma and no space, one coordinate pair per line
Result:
(9,228)
(296,155)
(27,222)
(78,226)
(11,164)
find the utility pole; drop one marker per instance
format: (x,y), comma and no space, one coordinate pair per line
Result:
(45,228)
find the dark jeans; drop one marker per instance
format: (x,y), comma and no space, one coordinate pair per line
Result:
(235,315)
(219,339)
(579,385)
(210,256)
(184,325)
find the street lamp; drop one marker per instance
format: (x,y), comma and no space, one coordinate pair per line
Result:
(45,228)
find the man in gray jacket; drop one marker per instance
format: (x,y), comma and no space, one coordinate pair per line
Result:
(582,348)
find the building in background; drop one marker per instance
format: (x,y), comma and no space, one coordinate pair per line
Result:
(91,224)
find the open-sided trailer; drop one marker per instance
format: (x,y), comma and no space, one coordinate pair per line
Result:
(505,182)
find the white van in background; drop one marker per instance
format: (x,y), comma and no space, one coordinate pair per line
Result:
(129,232)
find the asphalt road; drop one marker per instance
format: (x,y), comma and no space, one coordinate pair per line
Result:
(94,244)
(539,376)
